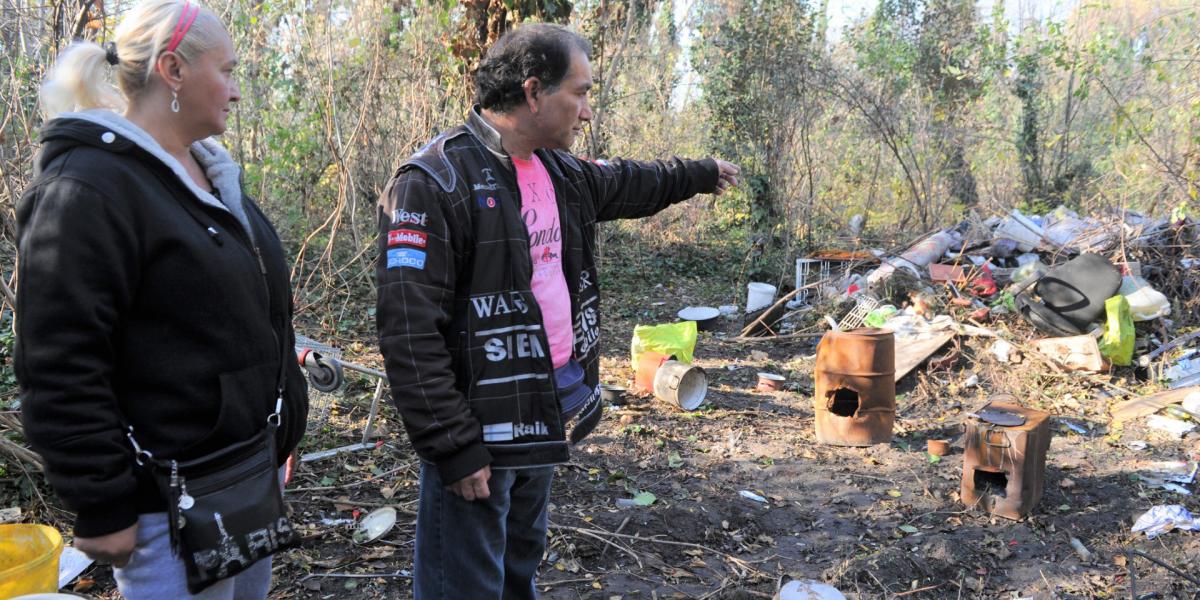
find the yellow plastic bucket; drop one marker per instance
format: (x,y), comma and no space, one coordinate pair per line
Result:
(28,559)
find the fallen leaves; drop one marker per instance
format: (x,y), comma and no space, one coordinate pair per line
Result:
(644,499)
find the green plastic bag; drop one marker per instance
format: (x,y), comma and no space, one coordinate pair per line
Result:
(677,339)
(879,316)
(1117,343)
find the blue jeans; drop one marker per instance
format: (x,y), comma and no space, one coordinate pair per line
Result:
(485,549)
(154,573)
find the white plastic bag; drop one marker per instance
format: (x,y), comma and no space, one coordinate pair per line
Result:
(1145,302)
(1164,518)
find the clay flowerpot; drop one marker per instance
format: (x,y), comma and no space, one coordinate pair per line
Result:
(770,382)
(648,364)
(937,447)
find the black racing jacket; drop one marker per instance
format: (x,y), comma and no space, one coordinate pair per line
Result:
(459,328)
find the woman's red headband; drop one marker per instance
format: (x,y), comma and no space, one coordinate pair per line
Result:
(183,24)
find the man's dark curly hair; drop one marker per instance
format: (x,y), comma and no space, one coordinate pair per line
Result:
(539,50)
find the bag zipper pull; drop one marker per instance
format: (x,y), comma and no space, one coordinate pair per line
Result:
(185,500)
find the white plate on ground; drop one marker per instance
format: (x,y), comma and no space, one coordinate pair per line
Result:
(698,313)
(373,526)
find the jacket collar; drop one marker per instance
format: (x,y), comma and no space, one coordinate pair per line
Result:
(106,129)
(479,127)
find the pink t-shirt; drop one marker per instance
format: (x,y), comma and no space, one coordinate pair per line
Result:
(539,208)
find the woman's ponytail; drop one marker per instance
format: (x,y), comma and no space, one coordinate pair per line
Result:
(79,80)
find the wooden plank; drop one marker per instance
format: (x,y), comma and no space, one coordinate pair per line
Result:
(762,325)
(1148,405)
(910,354)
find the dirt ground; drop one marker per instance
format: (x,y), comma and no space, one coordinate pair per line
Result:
(878,522)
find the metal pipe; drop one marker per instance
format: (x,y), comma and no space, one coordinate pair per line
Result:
(1131,552)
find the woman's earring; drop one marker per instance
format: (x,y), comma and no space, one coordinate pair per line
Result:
(174,101)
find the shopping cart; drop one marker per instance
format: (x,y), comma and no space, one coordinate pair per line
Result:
(326,373)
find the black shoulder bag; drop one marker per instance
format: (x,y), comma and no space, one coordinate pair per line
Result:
(226,508)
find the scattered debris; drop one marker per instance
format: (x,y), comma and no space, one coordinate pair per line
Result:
(375,525)
(1148,405)
(808,590)
(747,494)
(311,456)
(917,257)
(1084,554)
(1001,350)
(1185,371)
(1073,426)
(1164,518)
(71,563)
(1175,476)
(1075,353)
(1174,427)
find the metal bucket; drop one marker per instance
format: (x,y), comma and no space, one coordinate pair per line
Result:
(681,384)
(855,396)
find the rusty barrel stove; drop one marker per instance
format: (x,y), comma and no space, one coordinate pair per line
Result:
(855,396)
(1004,459)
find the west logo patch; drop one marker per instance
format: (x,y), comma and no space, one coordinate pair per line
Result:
(401,216)
(407,237)
(398,258)
(487,200)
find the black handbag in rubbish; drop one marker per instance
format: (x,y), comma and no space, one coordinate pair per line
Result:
(1044,318)
(1072,295)
(225,509)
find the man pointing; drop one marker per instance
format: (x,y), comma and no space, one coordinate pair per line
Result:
(488,310)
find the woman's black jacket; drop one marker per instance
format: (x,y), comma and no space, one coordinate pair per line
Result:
(143,300)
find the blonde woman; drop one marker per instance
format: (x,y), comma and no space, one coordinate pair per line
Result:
(154,295)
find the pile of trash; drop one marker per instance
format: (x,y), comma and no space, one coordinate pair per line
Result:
(1117,291)
(1113,301)
(1103,307)
(1090,294)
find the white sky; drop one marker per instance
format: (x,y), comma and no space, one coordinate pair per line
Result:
(844,12)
